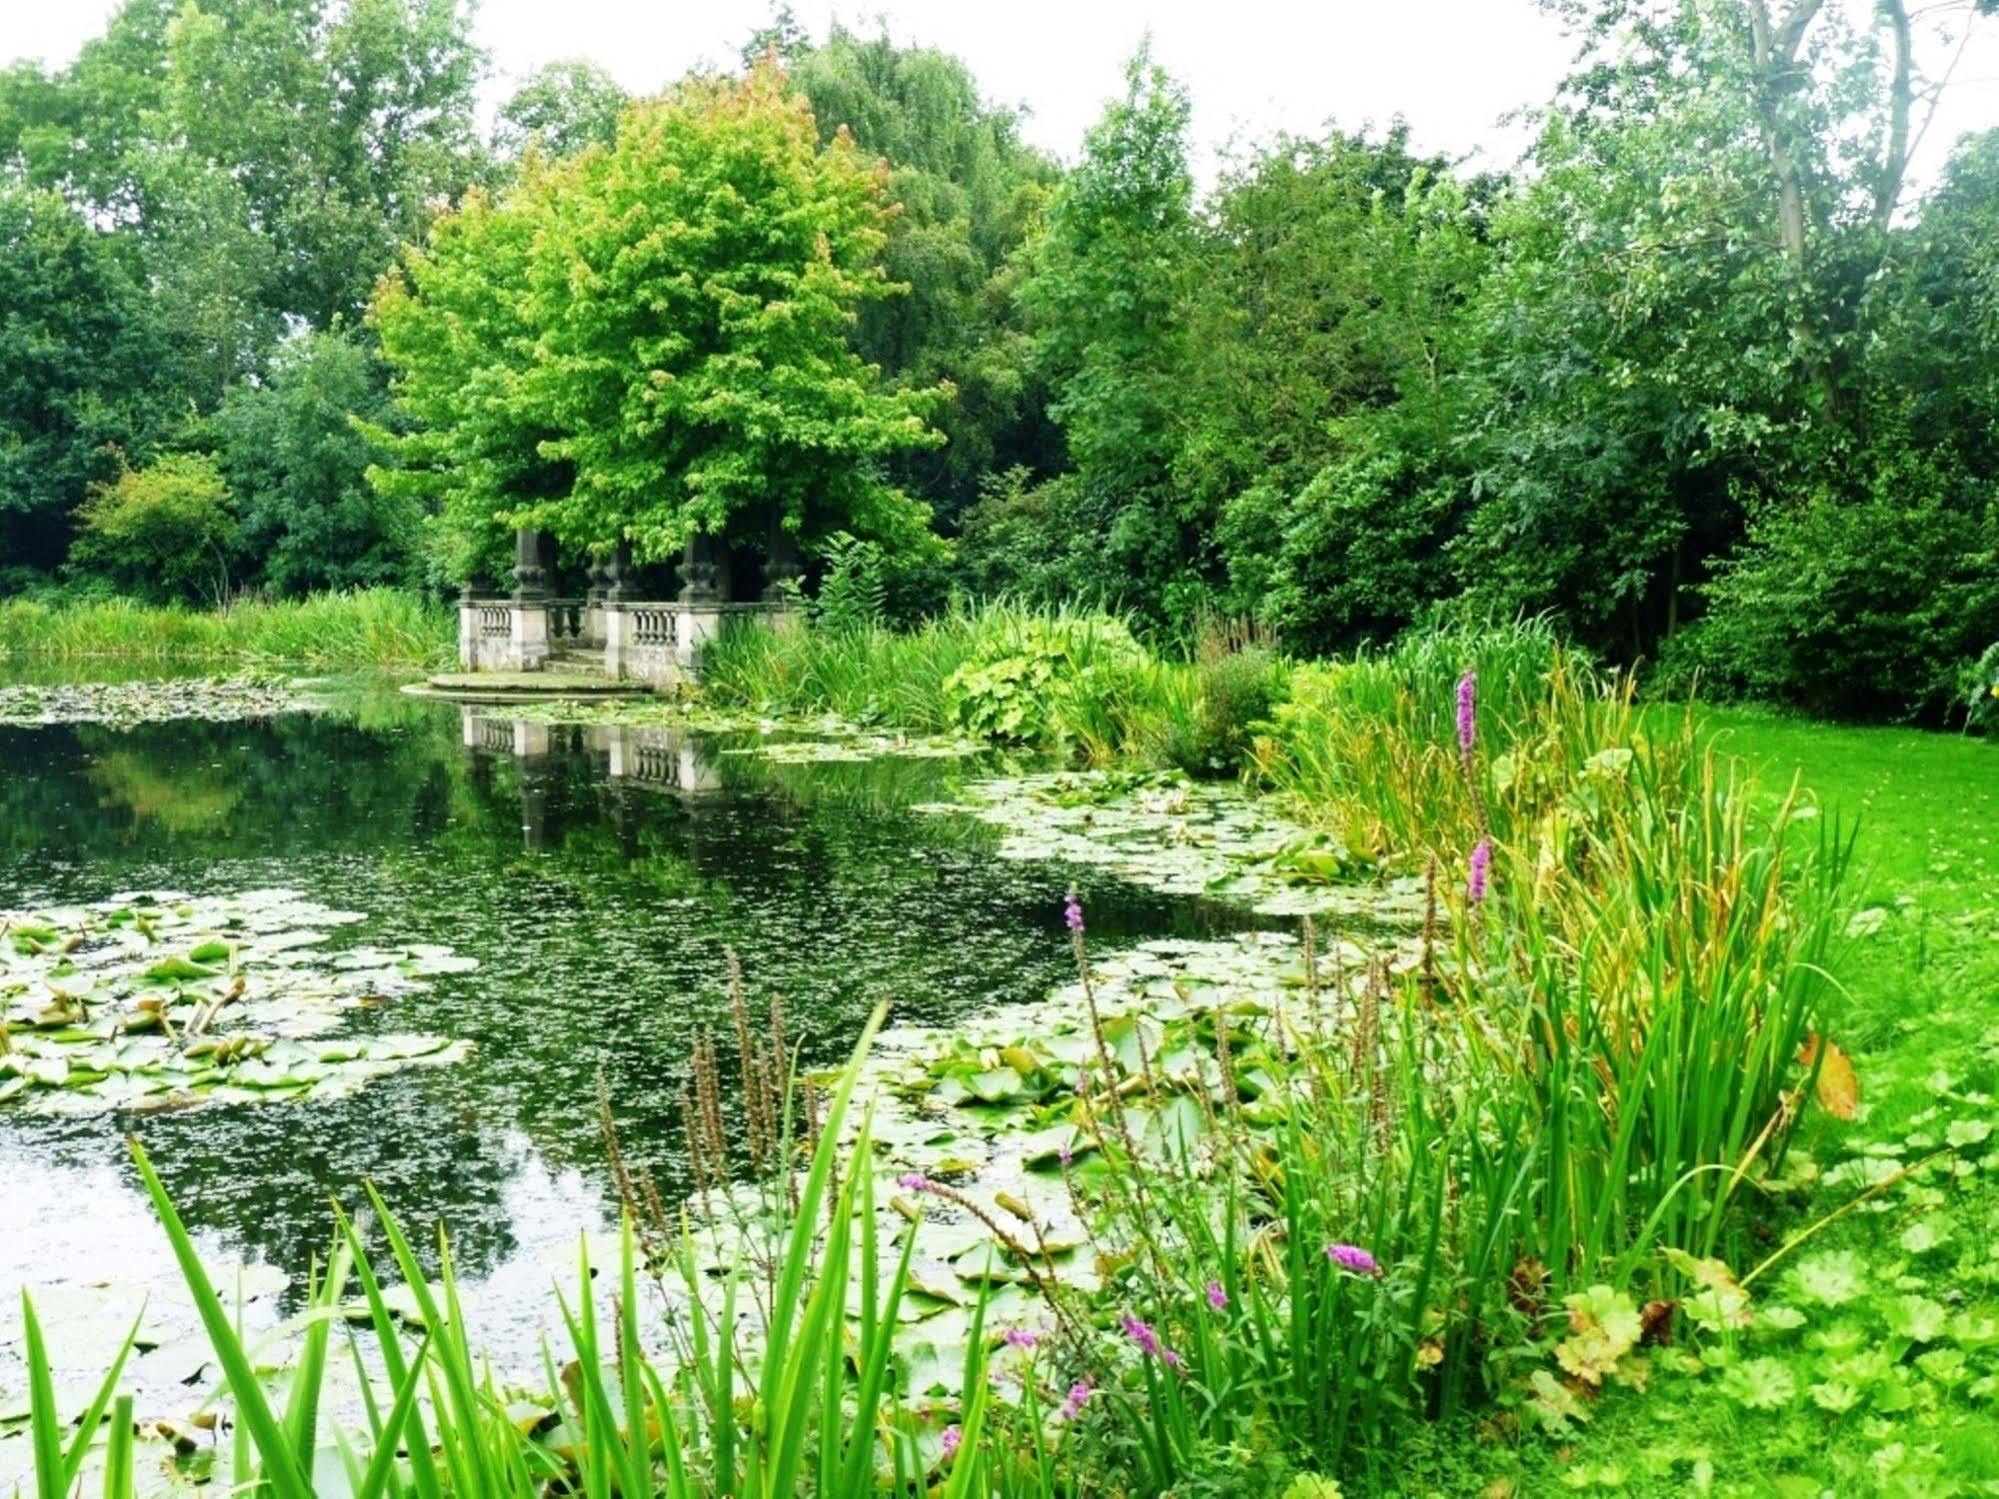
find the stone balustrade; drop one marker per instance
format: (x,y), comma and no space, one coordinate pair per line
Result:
(659,643)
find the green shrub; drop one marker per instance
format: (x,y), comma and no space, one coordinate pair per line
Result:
(1237,679)
(167,530)
(1981,693)
(1854,608)
(1018,683)
(854,593)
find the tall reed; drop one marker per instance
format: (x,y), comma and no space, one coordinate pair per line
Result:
(362,628)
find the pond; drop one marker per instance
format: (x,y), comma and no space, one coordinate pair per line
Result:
(597,877)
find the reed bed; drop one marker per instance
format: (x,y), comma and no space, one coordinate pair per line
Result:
(371,627)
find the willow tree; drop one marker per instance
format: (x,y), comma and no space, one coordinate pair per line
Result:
(649,342)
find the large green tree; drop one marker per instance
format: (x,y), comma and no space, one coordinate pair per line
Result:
(661,345)
(80,343)
(1681,324)
(296,451)
(969,195)
(1106,294)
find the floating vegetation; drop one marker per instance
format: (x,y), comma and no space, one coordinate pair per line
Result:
(123,704)
(981,1147)
(1182,837)
(857,748)
(160,1002)
(787,739)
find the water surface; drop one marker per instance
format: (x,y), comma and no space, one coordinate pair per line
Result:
(598,876)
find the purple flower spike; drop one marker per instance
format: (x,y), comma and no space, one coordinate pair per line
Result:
(1467,711)
(1217,1297)
(1020,1337)
(1481,864)
(952,1437)
(1079,1396)
(1353,1257)
(913,1181)
(1072,913)
(1143,1335)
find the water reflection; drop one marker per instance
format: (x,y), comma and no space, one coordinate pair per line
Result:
(597,873)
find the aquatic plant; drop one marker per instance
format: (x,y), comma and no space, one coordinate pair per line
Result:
(361,628)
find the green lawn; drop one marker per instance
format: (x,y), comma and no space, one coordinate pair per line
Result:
(1887,1379)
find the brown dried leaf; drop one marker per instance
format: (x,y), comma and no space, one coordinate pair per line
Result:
(1838,1087)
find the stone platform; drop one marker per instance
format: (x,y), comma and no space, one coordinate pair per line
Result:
(524,686)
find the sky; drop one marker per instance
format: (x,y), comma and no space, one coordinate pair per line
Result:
(1454,68)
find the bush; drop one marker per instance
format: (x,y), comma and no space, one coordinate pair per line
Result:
(854,594)
(1018,683)
(1238,680)
(1981,693)
(167,530)
(1854,608)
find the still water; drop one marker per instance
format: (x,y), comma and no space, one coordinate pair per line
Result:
(597,875)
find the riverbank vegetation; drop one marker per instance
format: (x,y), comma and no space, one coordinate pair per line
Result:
(1487,1171)
(382,627)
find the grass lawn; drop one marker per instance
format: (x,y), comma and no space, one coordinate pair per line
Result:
(1873,1363)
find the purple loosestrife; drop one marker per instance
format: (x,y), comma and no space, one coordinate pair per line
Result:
(1467,714)
(1148,1342)
(1079,1396)
(1217,1297)
(1072,913)
(1353,1257)
(952,1437)
(1481,866)
(1020,1337)
(913,1181)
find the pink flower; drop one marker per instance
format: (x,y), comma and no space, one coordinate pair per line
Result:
(913,1181)
(1217,1297)
(1143,1335)
(1079,1396)
(1020,1337)
(952,1437)
(1467,712)
(1481,864)
(1353,1257)
(1072,912)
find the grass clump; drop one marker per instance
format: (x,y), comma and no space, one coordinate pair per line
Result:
(364,627)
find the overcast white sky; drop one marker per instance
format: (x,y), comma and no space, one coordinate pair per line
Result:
(1452,67)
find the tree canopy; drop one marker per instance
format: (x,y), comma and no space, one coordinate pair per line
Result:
(1705,376)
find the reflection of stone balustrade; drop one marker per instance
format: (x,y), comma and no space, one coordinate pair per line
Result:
(656,756)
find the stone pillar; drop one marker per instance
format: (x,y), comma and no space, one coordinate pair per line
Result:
(699,623)
(468,630)
(468,727)
(530,571)
(527,647)
(617,640)
(618,574)
(701,574)
(783,571)
(593,601)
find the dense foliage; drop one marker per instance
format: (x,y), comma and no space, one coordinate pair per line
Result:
(1705,378)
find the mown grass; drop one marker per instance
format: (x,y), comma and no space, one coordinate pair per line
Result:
(373,627)
(1919,1011)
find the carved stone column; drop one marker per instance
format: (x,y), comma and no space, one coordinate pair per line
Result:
(530,566)
(783,571)
(701,574)
(618,574)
